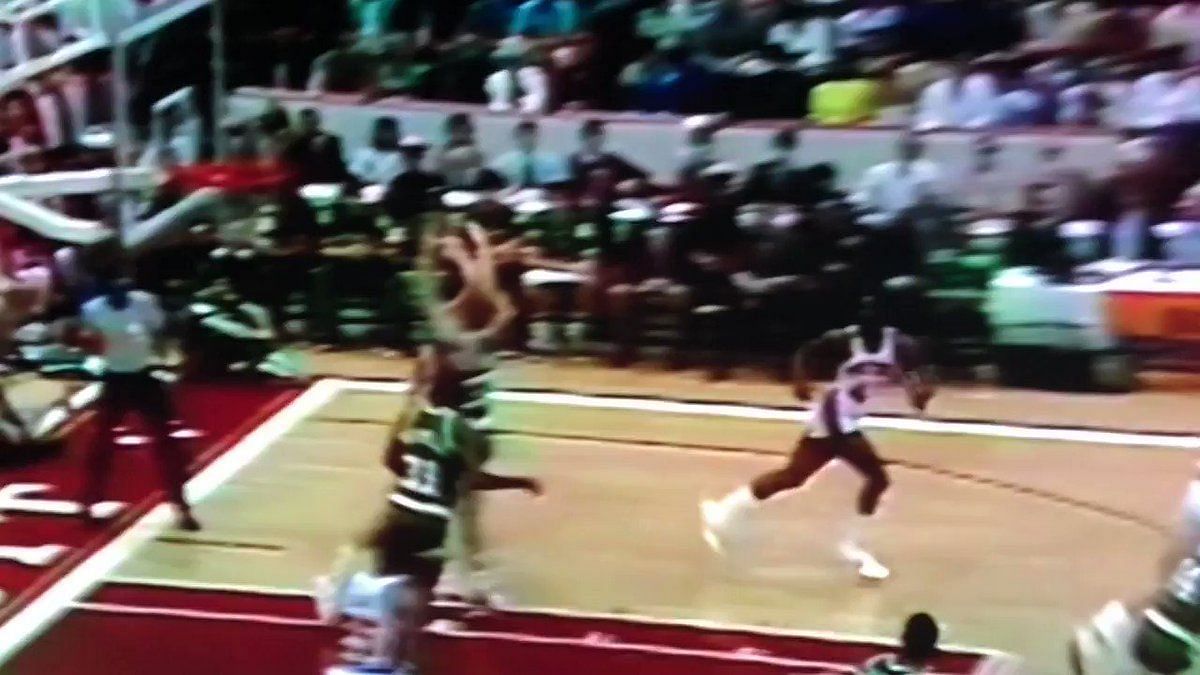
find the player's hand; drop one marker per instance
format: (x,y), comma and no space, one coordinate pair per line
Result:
(533,486)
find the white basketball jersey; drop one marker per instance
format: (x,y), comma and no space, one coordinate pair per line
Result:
(863,372)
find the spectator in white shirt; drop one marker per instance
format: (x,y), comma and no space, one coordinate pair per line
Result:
(1179,24)
(527,167)
(868,29)
(130,323)
(814,40)
(380,162)
(893,188)
(1149,103)
(521,84)
(962,100)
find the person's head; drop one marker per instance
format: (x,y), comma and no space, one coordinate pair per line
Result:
(870,318)
(784,143)
(309,122)
(412,152)
(919,642)
(911,147)
(386,134)
(591,135)
(459,130)
(525,136)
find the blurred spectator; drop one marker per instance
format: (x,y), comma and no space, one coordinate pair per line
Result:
(1057,21)
(411,193)
(458,132)
(490,19)
(1179,25)
(872,28)
(463,169)
(812,39)
(1131,236)
(986,191)
(36,37)
(735,27)
(525,166)
(1149,103)
(315,154)
(349,67)
(699,152)
(379,162)
(593,156)
(781,179)
(522,84)
(75,89)
(53,113)
(918,648)
(371,17)
(961,100)
(893,188)
(546,19)
(8,53)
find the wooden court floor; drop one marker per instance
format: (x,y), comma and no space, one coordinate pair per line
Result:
(1008,542)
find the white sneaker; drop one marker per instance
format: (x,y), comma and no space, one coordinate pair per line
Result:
(869,567)
(714,518)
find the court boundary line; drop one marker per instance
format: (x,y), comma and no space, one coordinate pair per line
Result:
(774,414)
(700,625)
(53,602)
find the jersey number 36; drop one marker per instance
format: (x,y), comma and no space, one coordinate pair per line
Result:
(422,476)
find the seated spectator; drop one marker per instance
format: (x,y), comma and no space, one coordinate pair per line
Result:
(36,37)
(537,19)
(411,193)
(463,168)
(918,648)
(1057,22)
(893,188)
(229,334)
(313,153)
(873,28)
(1179,25)
(525,166)
(734,27)
(1131,236)
(53,113)
(379,162)
(960,100)
(8,53)
(986,191)
(522,84)
(1150,102)
(699,152)
(781,179)
(490,19)
(348,68)
(811,39)
(371,17)
(593,156)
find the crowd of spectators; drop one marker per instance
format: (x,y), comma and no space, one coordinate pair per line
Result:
(727,255)
(977,64)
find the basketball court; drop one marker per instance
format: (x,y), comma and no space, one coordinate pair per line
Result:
(1008,534)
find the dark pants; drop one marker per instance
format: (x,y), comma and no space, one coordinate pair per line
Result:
(812,454)
(138,392)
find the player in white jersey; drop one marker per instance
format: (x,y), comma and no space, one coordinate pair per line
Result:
(871,356)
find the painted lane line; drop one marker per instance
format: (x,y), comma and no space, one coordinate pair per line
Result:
(51,604)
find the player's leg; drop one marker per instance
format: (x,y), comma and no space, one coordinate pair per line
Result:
(153,400)
(111,408)
(858,452)
(808,458)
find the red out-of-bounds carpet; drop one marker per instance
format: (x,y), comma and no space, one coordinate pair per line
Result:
(41,540)
(142,629)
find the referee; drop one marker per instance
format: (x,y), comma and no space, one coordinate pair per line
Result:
(130,323)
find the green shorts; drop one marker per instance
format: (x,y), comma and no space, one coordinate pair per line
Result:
(407,543)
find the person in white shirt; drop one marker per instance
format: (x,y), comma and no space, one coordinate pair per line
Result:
(893,188)
(527,167)
(130,323)
(961,100)
(379,163)
(814,40)
(1179,24)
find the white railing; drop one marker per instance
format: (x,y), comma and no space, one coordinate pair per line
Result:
(89,23)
